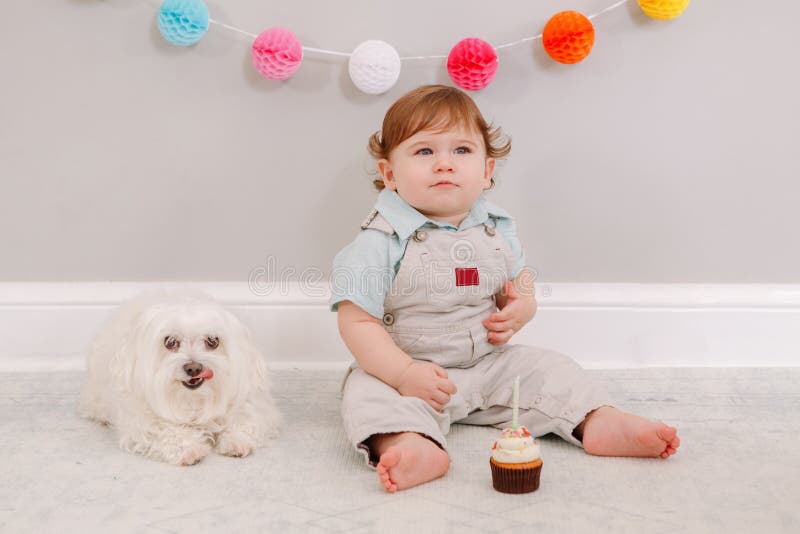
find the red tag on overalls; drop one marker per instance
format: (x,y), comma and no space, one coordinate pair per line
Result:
(467,276)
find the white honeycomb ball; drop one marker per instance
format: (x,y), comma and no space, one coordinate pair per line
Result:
(374,67)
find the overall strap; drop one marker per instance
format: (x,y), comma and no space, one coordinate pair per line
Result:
(375,221)
(490,226)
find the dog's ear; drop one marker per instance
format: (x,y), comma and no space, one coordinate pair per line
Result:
(242,349)
(134,345)
(123,362)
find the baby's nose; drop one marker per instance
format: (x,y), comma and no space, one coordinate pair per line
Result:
(444,164)
(193,368)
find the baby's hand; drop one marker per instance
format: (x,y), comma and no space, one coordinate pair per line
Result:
(428,382)
(518,310)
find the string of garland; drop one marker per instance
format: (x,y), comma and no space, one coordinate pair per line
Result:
(374,66)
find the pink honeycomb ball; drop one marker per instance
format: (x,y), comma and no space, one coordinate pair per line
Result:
(472,64)
(277,53)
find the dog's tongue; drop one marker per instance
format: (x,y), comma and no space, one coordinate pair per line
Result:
(206,373)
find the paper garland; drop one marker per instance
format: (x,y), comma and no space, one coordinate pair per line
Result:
(374,66)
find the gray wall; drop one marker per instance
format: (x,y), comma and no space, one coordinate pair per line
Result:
(669,155)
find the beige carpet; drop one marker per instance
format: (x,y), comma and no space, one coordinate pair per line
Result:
(738,469)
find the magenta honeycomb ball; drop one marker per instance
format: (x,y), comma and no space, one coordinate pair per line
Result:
(472,64)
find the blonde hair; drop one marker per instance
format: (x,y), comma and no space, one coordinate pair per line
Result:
(433,107)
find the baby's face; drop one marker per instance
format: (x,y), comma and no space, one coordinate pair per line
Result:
(440,173)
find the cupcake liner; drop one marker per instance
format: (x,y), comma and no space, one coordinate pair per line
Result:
(515,480)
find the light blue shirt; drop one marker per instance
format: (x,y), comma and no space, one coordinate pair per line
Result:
(364,270)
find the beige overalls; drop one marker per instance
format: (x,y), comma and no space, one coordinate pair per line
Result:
(443,291)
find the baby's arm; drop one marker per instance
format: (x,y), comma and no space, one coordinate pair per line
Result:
(378,355)
(517,304)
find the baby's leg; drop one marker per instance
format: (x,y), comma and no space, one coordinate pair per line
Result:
(607,431)
(554,397)
(407,459)
(557,395)
(402,436)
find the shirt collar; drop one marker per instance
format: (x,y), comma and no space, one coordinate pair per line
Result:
(405,220)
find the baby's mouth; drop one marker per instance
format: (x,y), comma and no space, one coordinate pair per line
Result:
(197,381)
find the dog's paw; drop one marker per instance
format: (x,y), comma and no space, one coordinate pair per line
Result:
(236,444)
(191,454)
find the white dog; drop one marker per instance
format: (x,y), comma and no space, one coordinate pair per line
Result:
(176,375)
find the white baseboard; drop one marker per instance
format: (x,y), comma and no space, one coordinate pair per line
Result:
(47,326)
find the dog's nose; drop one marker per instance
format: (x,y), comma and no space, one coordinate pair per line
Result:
(193,368)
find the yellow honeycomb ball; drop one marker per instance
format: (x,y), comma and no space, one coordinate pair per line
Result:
(663,9)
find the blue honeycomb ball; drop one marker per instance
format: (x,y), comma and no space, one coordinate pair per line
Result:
(183,22)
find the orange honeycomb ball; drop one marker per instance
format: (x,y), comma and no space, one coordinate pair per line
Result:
(568,37)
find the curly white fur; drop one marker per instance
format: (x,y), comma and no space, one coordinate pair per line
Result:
(136,384)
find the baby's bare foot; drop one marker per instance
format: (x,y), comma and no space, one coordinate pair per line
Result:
(611,432)
(408,460)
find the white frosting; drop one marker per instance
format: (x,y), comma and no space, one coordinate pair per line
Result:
(516,446)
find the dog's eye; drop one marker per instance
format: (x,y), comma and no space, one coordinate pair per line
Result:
(212,342)
(171,343)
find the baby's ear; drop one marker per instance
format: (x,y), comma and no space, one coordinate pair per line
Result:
(385,168)
(489,170)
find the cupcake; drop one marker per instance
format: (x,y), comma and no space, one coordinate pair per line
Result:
(516,462)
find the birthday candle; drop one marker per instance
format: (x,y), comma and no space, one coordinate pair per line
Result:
(515,408)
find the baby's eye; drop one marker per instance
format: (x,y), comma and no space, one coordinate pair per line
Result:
(463,150)
(424,152)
